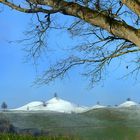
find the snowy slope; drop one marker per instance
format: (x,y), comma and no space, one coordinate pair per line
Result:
(59,105)
(30,106)
(55,104)
(128,104)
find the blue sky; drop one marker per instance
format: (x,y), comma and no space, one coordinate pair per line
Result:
(16,76)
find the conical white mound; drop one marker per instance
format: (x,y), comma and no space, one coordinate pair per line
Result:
(128,104)
(59,105)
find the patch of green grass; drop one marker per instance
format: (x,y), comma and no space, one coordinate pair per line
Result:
(29,137)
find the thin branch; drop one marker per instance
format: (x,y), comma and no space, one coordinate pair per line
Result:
(24,10)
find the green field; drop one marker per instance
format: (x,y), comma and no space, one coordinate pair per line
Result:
(100,124)
(29,137)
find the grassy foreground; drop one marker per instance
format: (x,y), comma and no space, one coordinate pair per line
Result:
(100,124)
(29,137)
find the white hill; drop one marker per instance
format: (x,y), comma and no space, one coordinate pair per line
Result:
(55,104)
(59,105)
(128,104)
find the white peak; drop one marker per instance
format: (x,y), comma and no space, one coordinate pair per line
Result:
(56,100)
(59,105)
(128,104)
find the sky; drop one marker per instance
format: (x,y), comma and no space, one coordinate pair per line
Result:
(17,77)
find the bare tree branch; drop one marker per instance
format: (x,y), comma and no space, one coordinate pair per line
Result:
(107,31)
(134,5)
(21,9)
(94,17)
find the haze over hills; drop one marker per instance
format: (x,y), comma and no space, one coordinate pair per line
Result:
(61,117)
(57,104)
(104,123)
